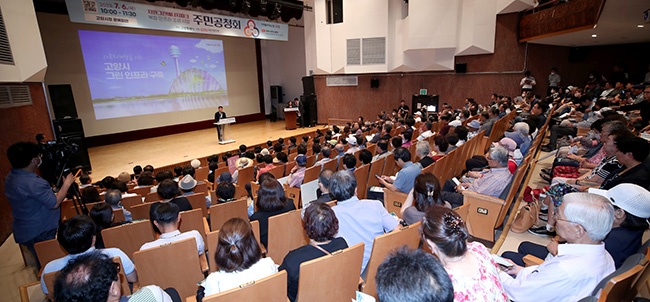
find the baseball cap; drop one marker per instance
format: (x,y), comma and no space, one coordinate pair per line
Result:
(632,198)
(455,123)
(264,152)
(507,143)
(351,140)
(474,124)
(301,160)
(225,177)
(187,182)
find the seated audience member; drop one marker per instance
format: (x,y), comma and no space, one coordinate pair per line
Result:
(422,151)
(85,181)
(406,138)
(359,220)
(631,210)
(381,150)
(489,120)
(365,157)
(167,219)
(396,142)
(120,185)
(145,180)
(473,273)
(426,134)
(90,195)
(297,174)
(268,165)
(472,129)
(212,166)
(425,194)
(148,168)
(323,190)
(521,136)
(225,192)
(168,192)
(238,257)
(583,220)
(462,133)
(124,177)
(491,183)
(349,162)
(178,173)
(94,277)
(107,182)
(162,175)
(413,276)
(187,185)
(114,199)
(241,163)
(321,226)
(325,153)
(102,215)
(440,147)
(631,152)
(137,170)
(271,201)
(77,236)
(352,142)
(404,180)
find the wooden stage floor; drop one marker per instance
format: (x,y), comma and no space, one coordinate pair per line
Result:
(171,149)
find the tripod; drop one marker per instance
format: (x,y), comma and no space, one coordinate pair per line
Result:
(73,192)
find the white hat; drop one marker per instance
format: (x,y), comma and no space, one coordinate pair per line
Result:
(474,124)
(632,198)
(195,163)
(455,123)
(418,113)
(351,140)
(264,152)
(187,183)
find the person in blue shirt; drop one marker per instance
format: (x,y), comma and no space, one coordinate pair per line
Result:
(405,178)
(34,206)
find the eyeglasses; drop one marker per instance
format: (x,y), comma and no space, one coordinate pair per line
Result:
(557,218)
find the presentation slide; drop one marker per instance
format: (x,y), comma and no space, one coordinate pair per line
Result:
(132,74)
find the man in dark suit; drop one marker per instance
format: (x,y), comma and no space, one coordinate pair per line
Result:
(218,116)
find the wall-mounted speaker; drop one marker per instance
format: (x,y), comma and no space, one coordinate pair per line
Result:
(460,67)
(62,101)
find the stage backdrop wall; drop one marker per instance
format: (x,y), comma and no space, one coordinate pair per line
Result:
(66,66)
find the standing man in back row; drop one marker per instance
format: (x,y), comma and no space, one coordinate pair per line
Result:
(217,117)
(34,206)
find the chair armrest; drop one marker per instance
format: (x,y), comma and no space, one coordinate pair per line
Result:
(531,260)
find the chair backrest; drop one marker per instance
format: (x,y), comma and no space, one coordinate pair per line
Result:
(118,216)
(383,245)
(617,285)
(201,188)
(278,172)
(330,164)
(389,165)
(150,197)
(220,213)
(361,174)
(172,265)
(333,276)
(246,175)
(213,240)
(294,194)
(312,173)
(393,201)
(49,250)
(285,233)
(194,220)
(126,290)
(311,159)
(141,211)
(201,173)
(142,191)
(128,237)
(376,168)
(197,200)
(131,201)
(271,288)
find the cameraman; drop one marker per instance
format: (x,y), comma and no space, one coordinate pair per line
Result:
(34,206)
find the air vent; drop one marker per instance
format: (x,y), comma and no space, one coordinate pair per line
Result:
(14,95)
(354,51)
(374,51)
(5,50)
(342,81)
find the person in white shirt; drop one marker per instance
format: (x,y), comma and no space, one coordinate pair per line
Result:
(166,218)
(426,134)
(527,83)
(583,220)
(238,257)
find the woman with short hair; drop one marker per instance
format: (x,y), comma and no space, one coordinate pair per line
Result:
(321,225)
(238,257)
(271,201)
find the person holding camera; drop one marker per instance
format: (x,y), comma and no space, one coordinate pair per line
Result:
(34,206)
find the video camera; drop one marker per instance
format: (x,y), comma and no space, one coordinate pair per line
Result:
(56,155)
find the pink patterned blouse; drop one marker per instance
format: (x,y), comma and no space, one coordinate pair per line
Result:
(483,287)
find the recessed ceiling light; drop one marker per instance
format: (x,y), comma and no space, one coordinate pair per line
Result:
(594,36)
(640,26)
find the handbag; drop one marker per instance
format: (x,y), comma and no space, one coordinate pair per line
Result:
(525,218)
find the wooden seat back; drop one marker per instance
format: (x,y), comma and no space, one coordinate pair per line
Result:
(128,237)
(294,194)
(376,168)
(201,188)
(330,164)
(142,191)
(245,175)
(172,265)
(383,245)
(393,201)
(141,211)
(361,174)
(201,173)
(151,197)
(285,233)
(118,216)
(333,276)
(130,201)
(197,200)
(389,165)
(278,171)
(312,173)
(271,288)
(220,213)
(49,250)
(311,160)
(194,220)
(49,279)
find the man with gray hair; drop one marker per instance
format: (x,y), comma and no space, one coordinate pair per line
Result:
(520,136)
(360,220)
(325,152)
(340,151)
(114,198)
(583,220)
(422,151)
(491,183)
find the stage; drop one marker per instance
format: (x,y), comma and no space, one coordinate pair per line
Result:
(171,149)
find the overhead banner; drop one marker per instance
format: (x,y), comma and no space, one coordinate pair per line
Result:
(128,14)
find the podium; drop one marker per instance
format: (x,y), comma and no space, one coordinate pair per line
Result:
(290,118)
(223,127)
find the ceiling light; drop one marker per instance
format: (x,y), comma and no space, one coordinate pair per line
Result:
(640,26)
(594,36)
